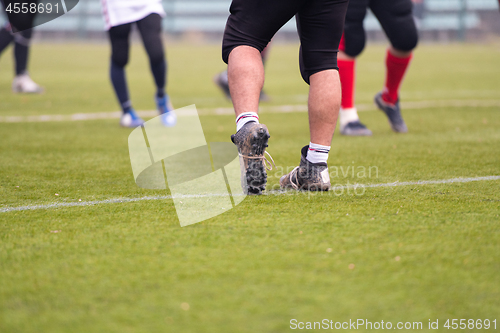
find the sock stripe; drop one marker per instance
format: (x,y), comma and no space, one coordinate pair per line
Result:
(319,150)
(317,153)
(244,116)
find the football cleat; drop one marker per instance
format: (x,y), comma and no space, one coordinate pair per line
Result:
(251,141)
(393,113)
(166,110)
(23,84)
(355,128)
(131,119)
(307,176)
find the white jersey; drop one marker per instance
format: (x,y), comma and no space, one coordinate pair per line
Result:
(117,12)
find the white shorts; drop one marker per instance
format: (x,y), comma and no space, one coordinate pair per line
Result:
(118,12)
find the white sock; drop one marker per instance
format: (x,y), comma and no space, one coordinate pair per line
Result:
(317,153)
(246,117)
(347,115)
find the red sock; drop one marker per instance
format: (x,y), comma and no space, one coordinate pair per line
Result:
(347,78)
(396,69)
(347,81)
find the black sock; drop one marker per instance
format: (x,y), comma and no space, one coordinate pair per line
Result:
(119,81)
(21,58)
(21,50)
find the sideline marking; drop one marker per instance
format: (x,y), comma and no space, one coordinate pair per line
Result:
(230,111)
(270,193)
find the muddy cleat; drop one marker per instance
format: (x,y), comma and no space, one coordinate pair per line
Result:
(307,176)
(355,128)
(23,84)
(251,141)
(393,113)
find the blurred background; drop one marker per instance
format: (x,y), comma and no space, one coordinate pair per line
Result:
(439,20)
(420,252)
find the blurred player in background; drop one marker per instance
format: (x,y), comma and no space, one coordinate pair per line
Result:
(222,82)
(23,22)
(395,17)
(119,16)
(249,30)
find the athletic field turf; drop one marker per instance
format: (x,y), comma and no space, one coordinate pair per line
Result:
(395,250)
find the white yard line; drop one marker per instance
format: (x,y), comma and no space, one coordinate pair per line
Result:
(271,193)
(230,111)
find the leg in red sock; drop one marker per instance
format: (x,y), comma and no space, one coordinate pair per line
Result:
(388,100)
(397,63)
(348,116)
(347,71)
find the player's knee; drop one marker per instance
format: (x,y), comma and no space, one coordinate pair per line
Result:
(406,43)
(119,60)
(354,50)
(355,44)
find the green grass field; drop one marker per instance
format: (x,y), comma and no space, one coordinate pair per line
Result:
(400,254)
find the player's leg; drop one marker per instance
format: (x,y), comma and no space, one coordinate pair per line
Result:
(20,20)
(221,79)
(20,28)
(119,38)
(22,82)
(352,44)
(320,24)
(21,50)
(249,30)
(246,79)
(6,37)
(397,20)
(151,33)
(252,24)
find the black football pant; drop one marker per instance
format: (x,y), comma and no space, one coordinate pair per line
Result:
(395,17)
(21,39)
(150,30)
(319,24)
(20,21)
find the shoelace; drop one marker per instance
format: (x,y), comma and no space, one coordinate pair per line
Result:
(294,172)
(267,163)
